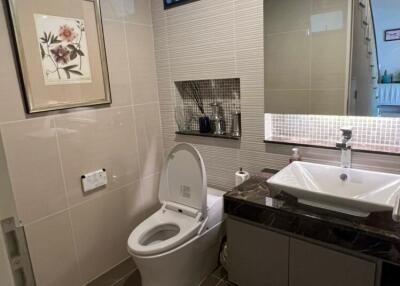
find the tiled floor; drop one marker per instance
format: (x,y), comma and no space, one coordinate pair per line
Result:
(217,278)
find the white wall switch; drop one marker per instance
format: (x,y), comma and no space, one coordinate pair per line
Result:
(94,180)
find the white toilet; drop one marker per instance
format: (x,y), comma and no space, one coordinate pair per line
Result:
(179,244)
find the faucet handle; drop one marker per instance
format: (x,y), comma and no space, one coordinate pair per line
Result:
(396,209)
(347,131)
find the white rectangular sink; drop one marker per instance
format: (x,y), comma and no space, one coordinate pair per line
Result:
(350,191)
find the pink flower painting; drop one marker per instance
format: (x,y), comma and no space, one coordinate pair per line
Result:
(63,49)
(67,33)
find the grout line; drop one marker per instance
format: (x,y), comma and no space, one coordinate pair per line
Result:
(161,138)
(59,114)
(106,193)
(235,50)
(146,103)
(287,32)
(109,269)
(126,22)
(8,172)
(133,113)
(45,217)
(172,90)
(129,66)
(61,162)
(124,277)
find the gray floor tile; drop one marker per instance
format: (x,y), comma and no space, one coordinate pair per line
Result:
(220,272)
(114,275)
(210,281)
(217,278)
(132,280)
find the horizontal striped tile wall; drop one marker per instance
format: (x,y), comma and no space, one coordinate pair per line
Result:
(224,39)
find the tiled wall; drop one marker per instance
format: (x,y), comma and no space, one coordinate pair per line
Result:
(222,39)
(73,237)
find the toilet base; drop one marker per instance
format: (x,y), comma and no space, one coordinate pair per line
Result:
(186,265)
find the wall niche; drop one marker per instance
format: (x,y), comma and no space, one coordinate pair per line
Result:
(208,108)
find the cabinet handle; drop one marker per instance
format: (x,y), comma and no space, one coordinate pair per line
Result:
(396,209)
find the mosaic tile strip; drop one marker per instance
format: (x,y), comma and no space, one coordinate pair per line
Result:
(369,133)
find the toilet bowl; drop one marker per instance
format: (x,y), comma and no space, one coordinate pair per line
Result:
(179,244)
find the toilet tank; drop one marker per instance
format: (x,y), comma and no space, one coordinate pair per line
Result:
(215,207)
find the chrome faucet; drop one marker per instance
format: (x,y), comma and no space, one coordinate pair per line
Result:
(345,145)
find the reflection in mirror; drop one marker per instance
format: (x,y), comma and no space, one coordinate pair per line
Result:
(332,57)
(375,75)
(306,56)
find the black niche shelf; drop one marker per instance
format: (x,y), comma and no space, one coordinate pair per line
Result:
(197,133)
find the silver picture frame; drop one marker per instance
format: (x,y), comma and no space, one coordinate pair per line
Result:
(25,76)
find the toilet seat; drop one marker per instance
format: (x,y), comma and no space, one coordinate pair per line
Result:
(183,193)
(163,231)
(183,178)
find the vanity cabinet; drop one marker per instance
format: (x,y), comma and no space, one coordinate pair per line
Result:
(312,265)
(258,257)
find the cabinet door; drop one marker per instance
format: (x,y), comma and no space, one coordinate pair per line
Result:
(257,257)
(312,265)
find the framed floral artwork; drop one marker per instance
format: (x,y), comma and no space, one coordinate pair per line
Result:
(60,51)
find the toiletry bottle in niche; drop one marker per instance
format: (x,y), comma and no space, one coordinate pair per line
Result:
(295,155)
(204,124)
(216,119)
(236,117)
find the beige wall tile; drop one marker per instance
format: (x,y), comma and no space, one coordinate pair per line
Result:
(252,128)
(113,9)
(34,167)
(138,11)
(11,107)
(215,33)
(142,63)
(285,16)
(287,58)
(323,6)
(287,101)
(102,227)
(210,51)
(147,118)
(249,25)
(250,65)
(217,65)
(149,190)
(327,102)
(94,140)
(117,59)
(52,251)
(89,139)
(328,60)
(157,9)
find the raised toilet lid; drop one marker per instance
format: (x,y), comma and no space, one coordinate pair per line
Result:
(183,178)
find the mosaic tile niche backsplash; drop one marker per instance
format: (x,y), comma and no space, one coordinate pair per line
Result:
(224,91)
(369,133)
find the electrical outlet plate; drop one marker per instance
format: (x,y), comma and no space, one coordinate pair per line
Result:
(94,180)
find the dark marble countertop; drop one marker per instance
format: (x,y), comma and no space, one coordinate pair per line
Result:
(377,235)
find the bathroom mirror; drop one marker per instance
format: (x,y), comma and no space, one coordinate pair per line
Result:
(332,57)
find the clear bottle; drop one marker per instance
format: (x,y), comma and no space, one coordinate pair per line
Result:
(295,155)
(217,123)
